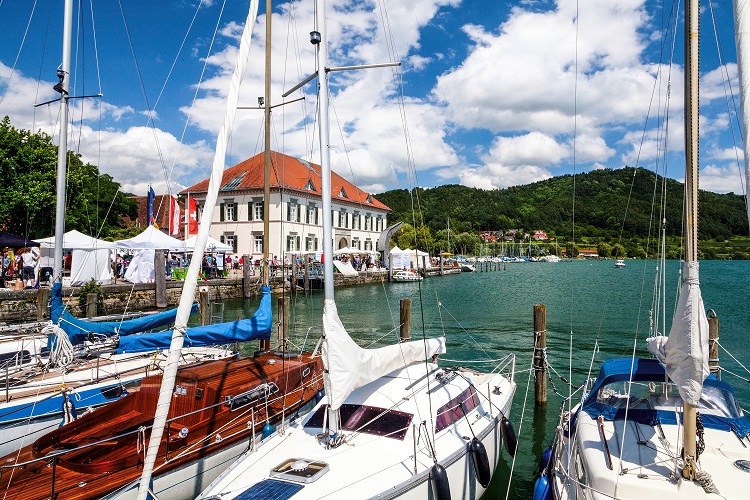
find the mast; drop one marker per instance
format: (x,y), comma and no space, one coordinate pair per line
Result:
(266,267)
(742,39)
(691,203)
(62,149)
(190,284)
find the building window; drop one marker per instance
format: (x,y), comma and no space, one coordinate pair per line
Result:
(292,243)
(368,244)
(227,211)
(309,243)
(292,211)
(258,210)
(379,225)
(312,214)
(368,221)
(355,220)
(343,219)
(356,243)
(315,245)
(231,240)
(258,243)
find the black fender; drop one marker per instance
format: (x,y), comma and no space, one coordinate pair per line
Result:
(481,463)
(509,436)
(441,489)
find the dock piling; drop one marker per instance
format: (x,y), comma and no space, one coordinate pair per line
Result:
(405,315)
(540,354)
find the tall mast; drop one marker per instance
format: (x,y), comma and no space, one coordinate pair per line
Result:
(691,194)
(742,39)
(62,149)
(267,149)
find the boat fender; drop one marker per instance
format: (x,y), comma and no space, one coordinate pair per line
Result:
(544,460)
(542,489)
(319,395)
(481,462)
(267,430)
(441,490)
(509,436)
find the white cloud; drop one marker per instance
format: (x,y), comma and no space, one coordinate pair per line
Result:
(721,179)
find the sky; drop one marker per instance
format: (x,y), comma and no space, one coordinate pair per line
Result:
(489,94)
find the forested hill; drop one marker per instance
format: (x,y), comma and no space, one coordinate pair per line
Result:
(602,198)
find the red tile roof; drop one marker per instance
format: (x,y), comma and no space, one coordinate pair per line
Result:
(291,174)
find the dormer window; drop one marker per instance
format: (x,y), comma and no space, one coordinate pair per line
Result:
(368,199)
(342,193)
(232,185)
(310,186)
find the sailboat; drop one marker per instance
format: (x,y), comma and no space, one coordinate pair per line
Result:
(664,427)
(392,423)
(195,419)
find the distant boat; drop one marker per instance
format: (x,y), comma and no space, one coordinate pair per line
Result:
(467,268)
(406,275)
(550,258)
(620,263)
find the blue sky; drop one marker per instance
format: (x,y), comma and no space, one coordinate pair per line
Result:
(489,88)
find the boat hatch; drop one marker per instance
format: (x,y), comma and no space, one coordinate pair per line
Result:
(743,465)
(268,488)
(249,397)
(455,409)
(299,470)
(368,420)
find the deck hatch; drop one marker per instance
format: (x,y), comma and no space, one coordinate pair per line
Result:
(271,489)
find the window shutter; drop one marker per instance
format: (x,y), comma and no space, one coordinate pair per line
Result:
(288,212)
(221,212)
(297,245)
(234,245)
(249,210)
(299,209)
(316,216)
(221,238)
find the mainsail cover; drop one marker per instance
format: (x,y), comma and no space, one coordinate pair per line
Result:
(350,366)
(257,327)
(685,352)
(78,330)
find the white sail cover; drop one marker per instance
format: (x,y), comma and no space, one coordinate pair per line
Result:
(685,352)
(350,366)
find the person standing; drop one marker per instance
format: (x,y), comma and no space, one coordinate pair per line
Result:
(28,260)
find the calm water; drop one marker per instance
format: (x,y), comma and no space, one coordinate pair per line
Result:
(486,315)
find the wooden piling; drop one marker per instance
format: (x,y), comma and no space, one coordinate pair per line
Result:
(91,305)
(160,279)
(293,279)
(713,343)
(307,272)
(204,307)
(247,269)
(405,314)
(540,359)
(283,312)
(42,303)
(442,270)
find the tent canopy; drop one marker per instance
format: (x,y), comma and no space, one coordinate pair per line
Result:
(153,239)
(350,251)
(11,240)
(212,245)
(75,240)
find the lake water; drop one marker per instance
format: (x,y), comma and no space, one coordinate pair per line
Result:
(486,315)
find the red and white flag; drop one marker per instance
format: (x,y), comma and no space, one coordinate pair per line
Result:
(174,216)
(192,211)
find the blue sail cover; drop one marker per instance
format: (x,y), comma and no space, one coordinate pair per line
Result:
(257,327)
(650,370)
(79,329)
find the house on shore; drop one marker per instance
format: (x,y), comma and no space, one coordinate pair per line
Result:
(295,209)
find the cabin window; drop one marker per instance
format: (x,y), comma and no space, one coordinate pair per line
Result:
(259,393)
(368,420)
(455,409)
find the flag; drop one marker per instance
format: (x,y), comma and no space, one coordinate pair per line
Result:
(192,216)
(174,216)
(150,218)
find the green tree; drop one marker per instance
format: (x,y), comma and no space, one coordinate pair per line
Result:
(604,249)
(28,170)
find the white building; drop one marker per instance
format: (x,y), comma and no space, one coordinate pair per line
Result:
(295,211)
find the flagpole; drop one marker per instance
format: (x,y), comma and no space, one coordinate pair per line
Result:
(187,216)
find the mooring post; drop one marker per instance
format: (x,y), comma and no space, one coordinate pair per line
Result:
(160,278)
(442,270)
(540,354)
(283,307)
(204,307)
(90,305)
(293,278)
(390,269)
(247,269)
(713,343)
(42,303)
(405,314)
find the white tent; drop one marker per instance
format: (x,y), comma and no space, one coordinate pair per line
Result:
(141,267)
(399,258)
(212,245)
(91,258)
(153,239)
(349,251)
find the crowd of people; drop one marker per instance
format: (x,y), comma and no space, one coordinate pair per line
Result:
(20,265)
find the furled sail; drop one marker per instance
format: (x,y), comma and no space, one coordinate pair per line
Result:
(257,327)
(78,329)
(350,366)
(685,352)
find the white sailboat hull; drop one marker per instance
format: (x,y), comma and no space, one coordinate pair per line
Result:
(397,472)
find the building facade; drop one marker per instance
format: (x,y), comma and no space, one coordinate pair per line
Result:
(295,209)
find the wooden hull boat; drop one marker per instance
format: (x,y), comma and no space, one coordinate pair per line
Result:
(217,409)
